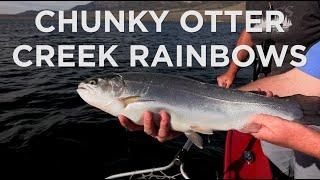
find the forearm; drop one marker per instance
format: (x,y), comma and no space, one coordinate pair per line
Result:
(306,141)
(282,84)
(244,39)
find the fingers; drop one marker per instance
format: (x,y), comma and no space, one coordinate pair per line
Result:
(264,132)
(251,127)
(125,122)
(269,94)
(259,135)
(164,128)
(227,84)
(220,82)
(223,83)
(264,93)
(161,132)
(258,119)
(149,126)
(268,120)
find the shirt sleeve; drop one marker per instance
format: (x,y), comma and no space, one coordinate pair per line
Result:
(312,66)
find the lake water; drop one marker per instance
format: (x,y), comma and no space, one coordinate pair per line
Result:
(47,131)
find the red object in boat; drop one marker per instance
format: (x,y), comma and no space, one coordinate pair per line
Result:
(244,158)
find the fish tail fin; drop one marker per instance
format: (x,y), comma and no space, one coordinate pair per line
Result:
(310,106)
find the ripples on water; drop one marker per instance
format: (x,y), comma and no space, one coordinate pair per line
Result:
(47,131)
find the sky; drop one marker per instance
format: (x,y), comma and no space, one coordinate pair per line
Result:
(13,7)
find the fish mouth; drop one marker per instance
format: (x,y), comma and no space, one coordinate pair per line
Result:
(82,86)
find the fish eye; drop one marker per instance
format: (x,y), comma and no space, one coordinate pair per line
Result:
(93,82)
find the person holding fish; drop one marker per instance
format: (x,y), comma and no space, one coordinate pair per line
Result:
(273,129)
(292,148)
(298,30)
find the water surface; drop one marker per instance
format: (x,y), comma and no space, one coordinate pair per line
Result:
(47,131)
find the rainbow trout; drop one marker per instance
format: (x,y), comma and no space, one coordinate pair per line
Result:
(194,106)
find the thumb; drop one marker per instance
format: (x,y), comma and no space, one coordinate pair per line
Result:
(220,82)
(254,124)
(224,84)
(227,84)
(268,124)
(259,119)
(268,120)
(251,127)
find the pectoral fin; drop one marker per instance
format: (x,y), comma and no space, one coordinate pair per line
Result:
(129,100)
(132,99)
(195,138)
(201,130)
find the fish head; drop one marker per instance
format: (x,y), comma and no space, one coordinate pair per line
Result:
(103,92)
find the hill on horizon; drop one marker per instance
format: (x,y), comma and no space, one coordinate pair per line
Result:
(176,8)
(154,5)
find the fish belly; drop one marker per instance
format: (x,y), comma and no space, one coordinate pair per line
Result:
(182,119)
(134,111)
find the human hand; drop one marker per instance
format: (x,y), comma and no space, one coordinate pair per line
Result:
(226,79)
(287,134)
(274,129)
(264,93)
(161,133)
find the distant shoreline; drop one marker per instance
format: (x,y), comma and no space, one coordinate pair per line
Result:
(176,8)
(146,21)
(170,18)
